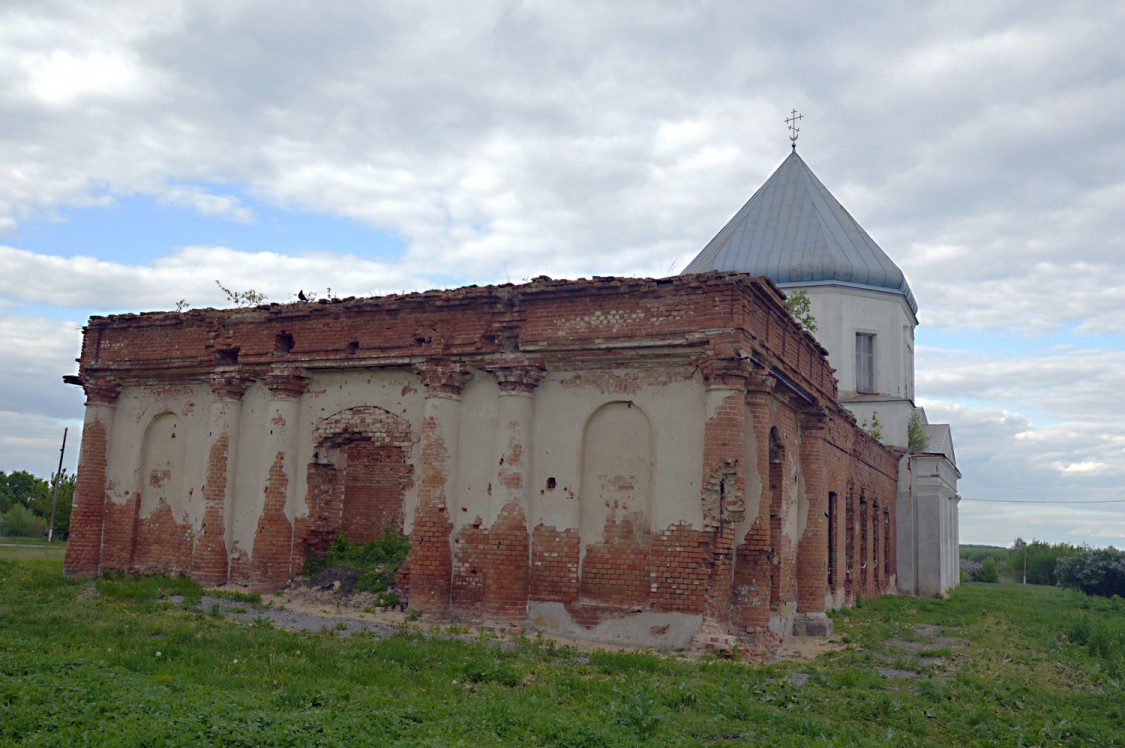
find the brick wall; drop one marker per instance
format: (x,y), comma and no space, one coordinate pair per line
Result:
(84,545)
(768,383)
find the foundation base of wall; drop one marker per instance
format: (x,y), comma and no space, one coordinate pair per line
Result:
(644,629)
(756,645)
(812,624)
(781,621)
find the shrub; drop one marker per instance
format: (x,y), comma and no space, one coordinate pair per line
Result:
(800,306)
(915,434)
(375,563)
(1042,560)
(988,571)
(19,520)
(1099,571)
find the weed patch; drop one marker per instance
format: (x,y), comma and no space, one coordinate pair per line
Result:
(372,565)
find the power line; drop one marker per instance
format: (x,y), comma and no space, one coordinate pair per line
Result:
(1017,501)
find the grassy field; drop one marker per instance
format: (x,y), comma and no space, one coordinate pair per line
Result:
(124,661)
(31,548)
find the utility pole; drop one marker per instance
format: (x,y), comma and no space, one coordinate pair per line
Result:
(55,490)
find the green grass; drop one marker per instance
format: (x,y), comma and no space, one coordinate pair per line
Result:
(122,661)
(31,548)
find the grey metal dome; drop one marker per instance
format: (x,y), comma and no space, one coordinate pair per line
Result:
(797,234)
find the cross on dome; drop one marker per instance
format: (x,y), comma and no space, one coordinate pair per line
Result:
(794,131)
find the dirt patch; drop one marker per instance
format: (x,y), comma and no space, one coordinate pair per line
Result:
(805,648)
(328,602)
(299,617)
(921,654)
(895,674)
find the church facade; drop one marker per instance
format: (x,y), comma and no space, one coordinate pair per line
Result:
(658,462)
(664,462)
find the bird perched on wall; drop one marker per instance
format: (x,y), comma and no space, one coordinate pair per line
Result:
(301,295)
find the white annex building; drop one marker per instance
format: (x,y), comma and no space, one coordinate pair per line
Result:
(793,231)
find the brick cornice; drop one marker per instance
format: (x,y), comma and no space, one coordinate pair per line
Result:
(760,382)
(286,383)
(518,376)
(813,420)
(230,384)
(101,390)
(443,378)
(725,373)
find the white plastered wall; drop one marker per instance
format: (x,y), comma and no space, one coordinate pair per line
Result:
(137,408)
(675,410)
(926,518)
(840,312)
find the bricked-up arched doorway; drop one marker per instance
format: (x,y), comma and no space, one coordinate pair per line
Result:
(616,505)
(359,476)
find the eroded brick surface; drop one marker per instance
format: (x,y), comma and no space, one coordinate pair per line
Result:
(163,544)
(508,574)
(470,564)
(554,564)
(749,541)
(84,544)
(272,555)
(616,570)
(210,560)
(431,562)
(120,533)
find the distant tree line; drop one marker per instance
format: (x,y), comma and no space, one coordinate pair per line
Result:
(25,504)
(1095,571)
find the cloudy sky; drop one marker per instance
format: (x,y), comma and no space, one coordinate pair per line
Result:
(151,148)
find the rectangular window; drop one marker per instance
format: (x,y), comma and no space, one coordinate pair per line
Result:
(864,362)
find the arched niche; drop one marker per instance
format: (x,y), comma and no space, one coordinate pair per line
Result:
(616,503)
(162,465)
(159,538)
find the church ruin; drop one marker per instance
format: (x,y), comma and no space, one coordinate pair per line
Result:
(663,462)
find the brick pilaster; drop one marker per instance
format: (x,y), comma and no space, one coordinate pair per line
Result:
(83,548)
(508,573)
(431,565)
(724,480)
(210,557)
(272,562)
(812,548)
(750,603)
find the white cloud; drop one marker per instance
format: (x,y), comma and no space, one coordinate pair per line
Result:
(1086,467)
(190,274)
(1032,428)
(60,78)
(571,140)
(31,442)
(35,405)
(208,204)
(977,142)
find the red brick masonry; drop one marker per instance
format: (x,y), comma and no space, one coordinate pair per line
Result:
(780,455)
